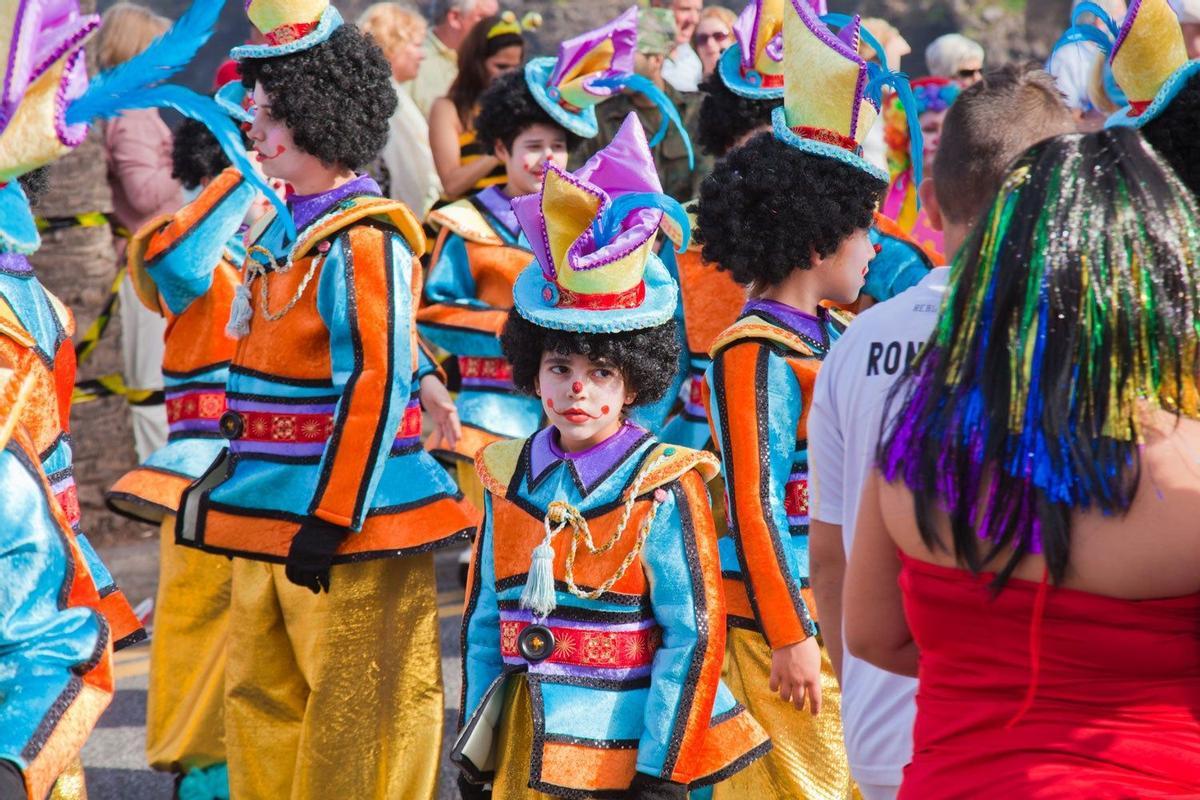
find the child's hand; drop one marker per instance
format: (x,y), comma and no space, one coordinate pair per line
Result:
(796,674)
(437,401)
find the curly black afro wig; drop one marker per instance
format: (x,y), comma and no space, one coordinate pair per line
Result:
(195,154)
(767,206)
(726,117)
(336,97)
(646,358)
(507,109)
(1174,134)
(35,184)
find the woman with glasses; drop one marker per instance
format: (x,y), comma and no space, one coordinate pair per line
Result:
(714,33)
(956,57)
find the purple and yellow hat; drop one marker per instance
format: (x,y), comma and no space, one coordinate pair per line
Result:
(753,65)
(832,95)
(288,26)
(592,233)
(591,68)
(47,102)
(1147,56)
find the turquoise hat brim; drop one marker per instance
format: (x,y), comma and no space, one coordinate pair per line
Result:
(18,231)
(789,137)
(537,77)
(331,20)
(658,308)
(229,97)
(729,67)
(1168,92)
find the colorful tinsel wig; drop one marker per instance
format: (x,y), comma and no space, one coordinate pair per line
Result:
(1073,315)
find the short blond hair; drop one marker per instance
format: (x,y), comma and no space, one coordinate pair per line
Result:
(126,30)
(392,25)
(720,12)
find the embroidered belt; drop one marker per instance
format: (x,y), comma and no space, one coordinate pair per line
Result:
(491,369)
(795,502)
(195,406)
(285,428)
(588,647)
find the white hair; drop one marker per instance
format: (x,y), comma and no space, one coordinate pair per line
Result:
(1188,10)
(441,8)
(946,55)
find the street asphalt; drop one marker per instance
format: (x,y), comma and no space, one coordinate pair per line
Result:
(114,757)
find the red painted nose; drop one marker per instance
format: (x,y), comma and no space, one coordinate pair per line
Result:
(577,387)
(878,249)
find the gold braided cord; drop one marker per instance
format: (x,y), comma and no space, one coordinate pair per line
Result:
(560,514)
(257,269)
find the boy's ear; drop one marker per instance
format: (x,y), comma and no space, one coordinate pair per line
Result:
(501,151)
(929,202)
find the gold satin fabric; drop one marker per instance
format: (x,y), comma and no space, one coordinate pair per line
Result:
(70,784)
(514,744)
(469,483)
(808,757)
(334,695)
(185,720)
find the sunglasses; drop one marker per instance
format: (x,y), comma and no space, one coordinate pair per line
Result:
(718,37)
(963,74)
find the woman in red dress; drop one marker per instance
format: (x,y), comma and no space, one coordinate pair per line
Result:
(1029,546)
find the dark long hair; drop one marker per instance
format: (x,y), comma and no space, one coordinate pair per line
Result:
(1075,303)
(472,78)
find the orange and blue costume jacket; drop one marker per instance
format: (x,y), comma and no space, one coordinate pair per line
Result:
(900,264)
(35,337)
(186,267)
(633,683)
(323,417)
(709,302)
(479,254)
(55,649)
(757,393)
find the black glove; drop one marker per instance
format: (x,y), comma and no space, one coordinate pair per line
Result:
(12,785)
(645,787)
(311,554)
(473,791)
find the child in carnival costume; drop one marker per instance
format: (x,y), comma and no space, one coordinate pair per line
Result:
(789,216)
(55,651)
(186,267)
(528,118)
(933,97)
(1148,59)
(46,106)
(593,635)
(324,496)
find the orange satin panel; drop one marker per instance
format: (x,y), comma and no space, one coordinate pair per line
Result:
(523,532)
(711,300)
(197,338)
(296,346)
(258,536)
(361,416)
(602,769)
(494,268)
(148,494)
(472,440)
(689,764)
(763,571)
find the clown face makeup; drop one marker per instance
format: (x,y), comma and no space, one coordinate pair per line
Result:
(532,150)
(582,398)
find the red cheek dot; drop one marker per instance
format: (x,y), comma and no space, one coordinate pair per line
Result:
(603,409)
(551,404)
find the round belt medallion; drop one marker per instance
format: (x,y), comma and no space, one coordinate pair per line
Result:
(232,425)
(536,643)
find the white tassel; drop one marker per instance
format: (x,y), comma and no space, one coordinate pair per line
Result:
(538,595)
(240,313)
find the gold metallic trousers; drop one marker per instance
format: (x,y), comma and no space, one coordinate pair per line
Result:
(808,756)
(185,720)
(339,694)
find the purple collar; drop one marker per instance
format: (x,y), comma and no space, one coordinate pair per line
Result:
(15,264)
(307,207)
(590,467)
(810,328)
(500,206)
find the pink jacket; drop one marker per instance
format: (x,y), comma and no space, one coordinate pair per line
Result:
(137,145)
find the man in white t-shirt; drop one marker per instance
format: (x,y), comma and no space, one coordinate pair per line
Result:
(979,141)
